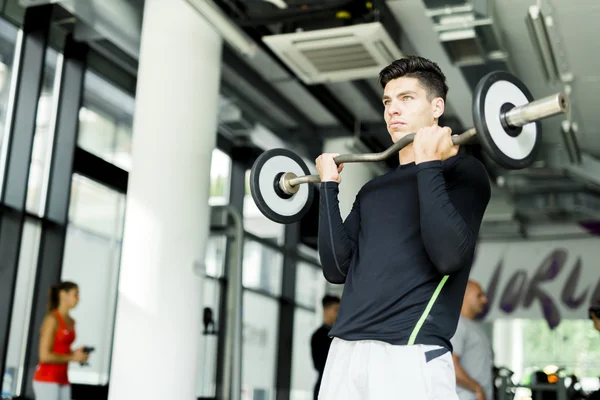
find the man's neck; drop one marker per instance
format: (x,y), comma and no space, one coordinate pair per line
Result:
(407,155)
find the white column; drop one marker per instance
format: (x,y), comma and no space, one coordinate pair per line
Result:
(354,175)
(158,321)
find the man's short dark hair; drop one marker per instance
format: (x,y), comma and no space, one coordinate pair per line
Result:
(428,73)
(329,300)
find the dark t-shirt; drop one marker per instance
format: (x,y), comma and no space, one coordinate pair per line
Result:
(405,250)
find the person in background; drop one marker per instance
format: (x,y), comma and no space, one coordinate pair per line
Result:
(50,381)
(472,352)
(320,340)
(594,313)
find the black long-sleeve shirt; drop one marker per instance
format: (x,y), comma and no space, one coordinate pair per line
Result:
(319,346)
(405,250)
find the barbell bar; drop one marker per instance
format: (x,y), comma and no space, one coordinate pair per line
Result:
(506,121)
(515,118)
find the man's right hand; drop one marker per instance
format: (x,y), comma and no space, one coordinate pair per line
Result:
(328,170)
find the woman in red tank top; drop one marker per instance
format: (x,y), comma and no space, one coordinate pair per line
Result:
(51,381)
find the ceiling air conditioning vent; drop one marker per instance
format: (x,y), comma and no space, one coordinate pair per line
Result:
(336,54)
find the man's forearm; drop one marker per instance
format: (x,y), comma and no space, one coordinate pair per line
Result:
(335,242)
(463,379)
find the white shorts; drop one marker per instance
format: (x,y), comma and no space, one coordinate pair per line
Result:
(374,370)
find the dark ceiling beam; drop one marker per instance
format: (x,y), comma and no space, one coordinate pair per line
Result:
(247,73)
(249,108)
(369,95)
(335,107)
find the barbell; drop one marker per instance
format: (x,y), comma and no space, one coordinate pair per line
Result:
(506,121)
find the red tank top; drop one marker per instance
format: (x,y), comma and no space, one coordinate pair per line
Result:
(63,338)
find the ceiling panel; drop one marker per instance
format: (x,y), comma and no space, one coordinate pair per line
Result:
(572,24)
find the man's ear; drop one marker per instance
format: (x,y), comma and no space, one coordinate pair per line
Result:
(438,107)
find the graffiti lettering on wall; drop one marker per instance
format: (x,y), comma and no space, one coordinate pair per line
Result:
(526,287)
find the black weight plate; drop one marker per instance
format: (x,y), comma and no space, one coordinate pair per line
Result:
(263,180)
(509,147)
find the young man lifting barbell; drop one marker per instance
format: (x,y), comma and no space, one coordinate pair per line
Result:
(404,252)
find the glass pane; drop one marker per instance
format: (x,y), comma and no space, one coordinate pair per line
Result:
(310,284)
(304,374)
(17,339)
(96,208)
(8,42)
(207,358)
(92,261)
(106,121)
(256,223)
(308,252)
(44,133)
(260,322)
(526,346)
(215,256)
(262,267)
(220,175)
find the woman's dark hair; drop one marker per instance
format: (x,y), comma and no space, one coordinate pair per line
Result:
(54,293)
(426,71)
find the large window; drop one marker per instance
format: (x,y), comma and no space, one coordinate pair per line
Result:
(304,374)
(220,177)
(17,341)
(8,41)
(256,223)
(92,255)
(259,354)
(208,348)
(106,121)
(525,346)
(262,268)
(309,284)
(44,133)
(308,317)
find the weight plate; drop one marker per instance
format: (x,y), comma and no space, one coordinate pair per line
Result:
(264,178)
(511,148)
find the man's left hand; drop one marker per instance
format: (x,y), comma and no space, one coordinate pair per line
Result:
(433,143)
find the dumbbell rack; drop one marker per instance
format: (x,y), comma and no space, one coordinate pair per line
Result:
(506,389)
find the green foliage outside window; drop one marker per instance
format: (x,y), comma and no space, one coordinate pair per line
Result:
(574,346)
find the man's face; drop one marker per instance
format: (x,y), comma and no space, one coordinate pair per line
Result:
(407,107)
(331,312)
(475,298)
